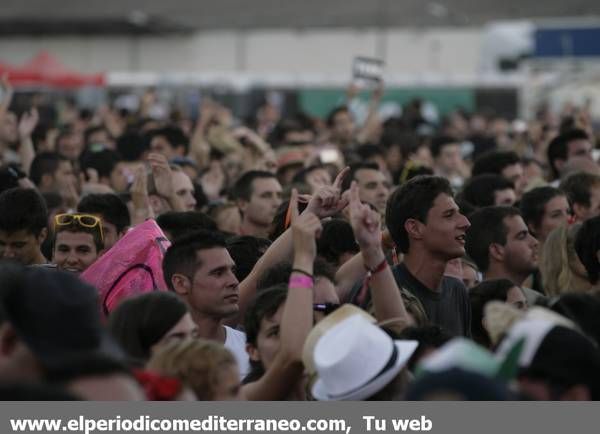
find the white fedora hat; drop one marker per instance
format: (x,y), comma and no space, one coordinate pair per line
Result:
(355,359)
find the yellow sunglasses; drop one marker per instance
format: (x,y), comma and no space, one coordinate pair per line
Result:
(85,220)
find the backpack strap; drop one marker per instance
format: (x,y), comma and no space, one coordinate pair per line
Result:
(121,276)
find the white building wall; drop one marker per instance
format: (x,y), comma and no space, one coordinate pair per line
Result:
(315,52)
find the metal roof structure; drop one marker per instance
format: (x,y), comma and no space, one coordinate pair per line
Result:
(62,17)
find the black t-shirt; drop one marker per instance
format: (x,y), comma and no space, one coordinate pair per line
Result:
(447,307)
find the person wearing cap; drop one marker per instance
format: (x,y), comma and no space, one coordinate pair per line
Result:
(427,226)
(556,363)
(78,241)
(22,226)
(49,319)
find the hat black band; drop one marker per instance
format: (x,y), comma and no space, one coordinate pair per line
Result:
(391,362)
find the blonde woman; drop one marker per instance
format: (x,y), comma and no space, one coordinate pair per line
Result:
(561,269)
(206,367)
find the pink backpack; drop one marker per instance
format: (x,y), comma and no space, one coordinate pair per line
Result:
(132,266)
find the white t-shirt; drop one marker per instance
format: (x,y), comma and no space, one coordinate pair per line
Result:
(235,341)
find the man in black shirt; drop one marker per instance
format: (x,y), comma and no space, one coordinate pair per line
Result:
(427,226)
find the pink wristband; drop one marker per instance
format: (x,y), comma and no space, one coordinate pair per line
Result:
(300,282)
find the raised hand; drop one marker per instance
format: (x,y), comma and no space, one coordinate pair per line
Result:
(163,178)
(328,201)
(7,93)
(306,228)
(27,123)
(366,223)
(213,181)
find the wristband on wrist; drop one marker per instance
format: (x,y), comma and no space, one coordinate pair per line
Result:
(380,267)
(361,297)
(298,270)
(301,282)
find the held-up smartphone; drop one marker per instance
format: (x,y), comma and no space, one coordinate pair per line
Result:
(367,72)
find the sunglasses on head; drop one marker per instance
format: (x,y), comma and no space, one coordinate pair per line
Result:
(326,308)
(84,220)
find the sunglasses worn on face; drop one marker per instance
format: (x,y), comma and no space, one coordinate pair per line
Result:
(326,308)
(84,220)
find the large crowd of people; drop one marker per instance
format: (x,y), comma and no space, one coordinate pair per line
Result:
(162,255)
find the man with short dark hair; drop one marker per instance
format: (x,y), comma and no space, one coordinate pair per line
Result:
(502,247)
(505,163)
(113,212)
(178,224)
(258,196)
(489,189)
(342,127)
(169,141)
(373,186)
(78,242)
(200,270)
(447,160)
(51,172)
(23,226)
(112,170)
(583,192)
(571,143)
(427,226)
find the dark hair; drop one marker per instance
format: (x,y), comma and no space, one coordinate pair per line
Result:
(300,176)
(333,113)
(413,200)
(298,124)
(22,209)
(487,227)
(173,135)
(131,145)
(182,223)
(367,151)
(578,187)
(93,130)
(246,250)
(587,245)
(244,187)
(181,257)
(34,392)
(109,207)
(336,239)
(351,176)
(10,176)
(265,305)
(280,273)
(558,148)
(479,296)
(43,164)
(429,336)
(534,201)
(88,365)
(75,227)
(494,162)
(480,190)
(140,322)
(582,309)
(439,142)
(411,170)
(278,225)
(104,162)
